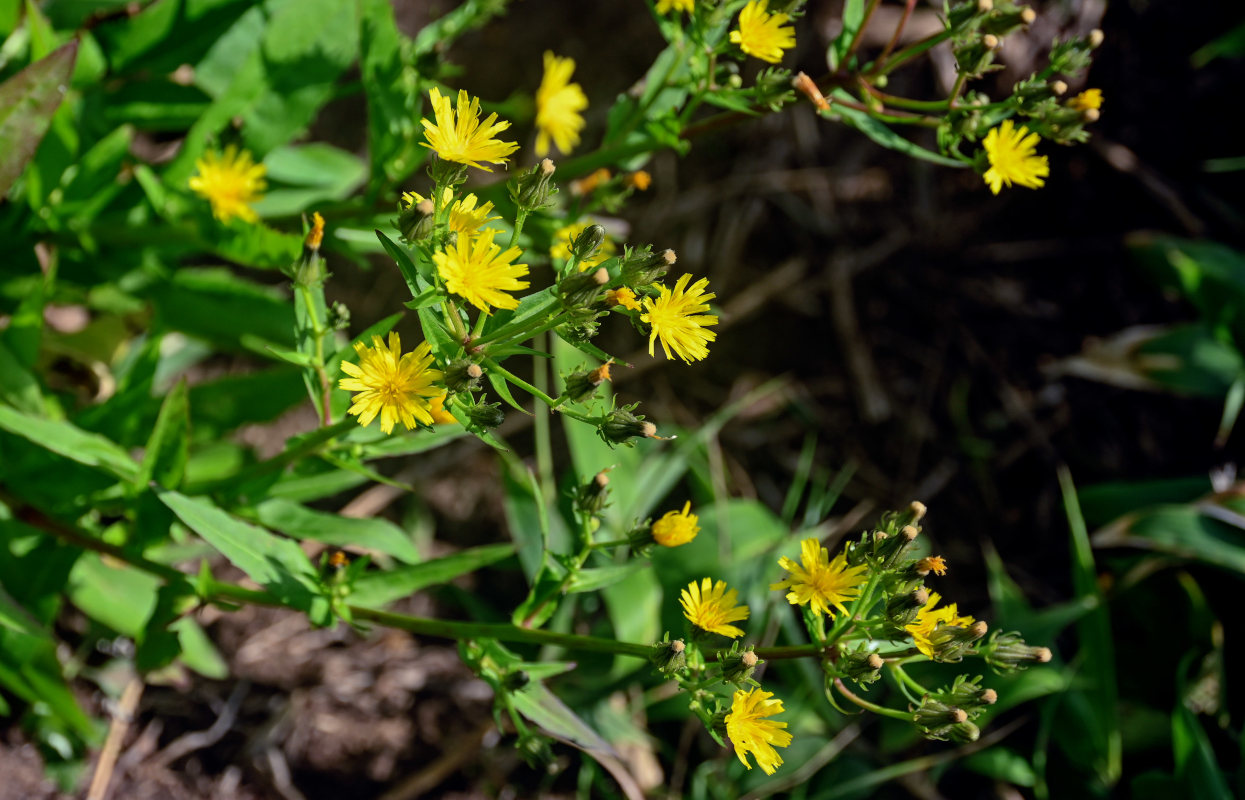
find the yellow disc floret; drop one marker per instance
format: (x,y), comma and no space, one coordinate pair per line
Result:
(820,583)
(750,731)
(559,104)
(1013,158)
(677,318)
(230,182)
(676,527)
(710,607)
(392,385)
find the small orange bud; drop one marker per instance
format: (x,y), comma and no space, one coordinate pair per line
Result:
(316,234)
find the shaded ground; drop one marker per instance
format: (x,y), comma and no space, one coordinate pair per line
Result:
(913,313)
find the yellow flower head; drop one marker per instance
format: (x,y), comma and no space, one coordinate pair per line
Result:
(750,731)
(1013,159)
(934,564)
(439,415)
(462,137)
(676,527)
(820,583)
(478,271)
(677,319)
(395,386)
(1090,98)
(928,619)
(622,297)
(710,607)
(762,34)
(566,236)
(465,218)
(230,182)
(640,179)
(558,106)
(666,6)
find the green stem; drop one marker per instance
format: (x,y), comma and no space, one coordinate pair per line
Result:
(519,331)
(318,333)
(544,439)
(902,674)
(311,443)
(610,543)
(868,706)
(907,54)
(866,597)
(519,219)
(537,393)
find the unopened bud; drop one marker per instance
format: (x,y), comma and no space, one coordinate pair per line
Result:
(462,375)
(588,242)
(962,733)
(670,658)
(862,667)
(592,497)
(902,609)
(338,559)
(1007,652)
(990,41)
(642,267)
(934,715)
(1059,87)
(1027,16)
(621,426)
(968,695)
(951,642)
(1095,39)
(532,189)
(1090,115)
(738,666)
(486,415)
(579,291)
(583,383)
(984,6)
(446,173)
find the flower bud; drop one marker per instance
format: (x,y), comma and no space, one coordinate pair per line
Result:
(486,415)
(310,268)
(738,665)
(621,426)
(1090,115)
(534,749)
(951,642)
(934,715)
(339,316)
(593,496)
(532,189)
(862,667)
(446,173)
(961,733)
(640,538)
(462,375)
(968,695)
(1007,653)
(582,383)
(892,549)
(1058,87)
(902,609)
(415,218)
(588,242)
(1095,39)
(582,290)
(670,658)
(641,267)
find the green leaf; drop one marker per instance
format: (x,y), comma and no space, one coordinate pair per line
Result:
(168,449)
(278,565)
(18,386)
(393,128)
(219,306)
(634,606)
(1106,502)
(1096,644)
(301,522)
(28,101)
(1196,764)
(499,384)
(853,17)
(321,172)
(592,579)
(410,273)
(378,589)
(887,137)
(71,442)
(1207,530)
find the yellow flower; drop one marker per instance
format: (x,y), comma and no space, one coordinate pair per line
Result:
(395,386)
(750,731)
(820,582)
(566,236)
(230,182)
(1013,159)
(934,564)
(762,34)
(640,180)
(558,106)
(665,6)
(462,137)
(622,297)
(1090,98)
(590,182)
(676,527)
(465,218)
(478,271)
(710,607)
(928,619)
(439,415)
(677,320)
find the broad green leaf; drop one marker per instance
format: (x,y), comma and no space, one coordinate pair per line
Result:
(1003,764)
(219,306)
(408,443)
(18,386)
(316,173)
(71,442)
(167,34)
(1207,530)
(378,589)
(634,606)
(277,564)
(300,522)
(393,128)
(593,579)
(853,16)
(28,100)
(164,460)
(1106,502)
(225,404)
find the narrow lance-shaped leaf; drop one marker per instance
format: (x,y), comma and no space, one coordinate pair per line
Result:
(27,102)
